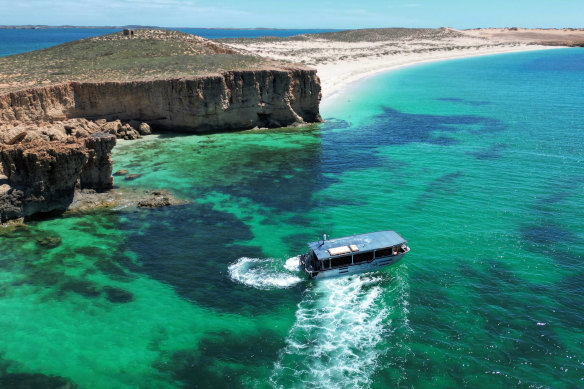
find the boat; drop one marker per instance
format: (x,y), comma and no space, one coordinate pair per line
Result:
(353,254)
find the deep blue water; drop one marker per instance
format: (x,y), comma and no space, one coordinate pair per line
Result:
(20,41)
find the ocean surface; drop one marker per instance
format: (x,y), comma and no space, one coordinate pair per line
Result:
(22,40)
(478,163)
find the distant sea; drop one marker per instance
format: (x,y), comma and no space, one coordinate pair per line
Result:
(23,40)
(477,162)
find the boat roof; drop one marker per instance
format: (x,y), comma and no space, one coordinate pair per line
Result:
(363,242)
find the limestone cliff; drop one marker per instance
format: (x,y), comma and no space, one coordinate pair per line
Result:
(164,80)
(41,177)
(232,100)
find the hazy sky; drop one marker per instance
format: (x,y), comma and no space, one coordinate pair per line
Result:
(297,13)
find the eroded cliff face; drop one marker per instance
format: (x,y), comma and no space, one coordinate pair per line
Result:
(48,147)
(41,177)
(233,100)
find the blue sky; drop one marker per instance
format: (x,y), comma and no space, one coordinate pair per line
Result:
(297,13)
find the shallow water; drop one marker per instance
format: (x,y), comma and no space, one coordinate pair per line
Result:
(477,162)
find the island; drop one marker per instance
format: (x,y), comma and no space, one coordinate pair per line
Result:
(62,108)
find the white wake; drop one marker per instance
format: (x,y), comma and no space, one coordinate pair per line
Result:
(341,331)
(265,273)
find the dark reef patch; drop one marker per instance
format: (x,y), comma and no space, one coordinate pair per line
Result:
(117,295)
(547,234)
(572,301)
(46,263)
(191,248)
(208,365)
(445,185)
(81,287)
(559,190)
(117,266)
(297,242)
(355,148)
(287,180)
(395,127)
(34,381)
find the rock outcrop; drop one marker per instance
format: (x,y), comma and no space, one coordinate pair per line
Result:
(97,172)
(16,132)
(41,176)
(234,100)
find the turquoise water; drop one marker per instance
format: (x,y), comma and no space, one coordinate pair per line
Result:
(477,162)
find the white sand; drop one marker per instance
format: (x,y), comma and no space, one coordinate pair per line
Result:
(335,77)
(341,63)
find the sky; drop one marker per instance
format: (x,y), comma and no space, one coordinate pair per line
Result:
(341,14)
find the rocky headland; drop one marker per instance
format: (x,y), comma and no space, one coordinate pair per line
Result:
(62,108)
(41,177)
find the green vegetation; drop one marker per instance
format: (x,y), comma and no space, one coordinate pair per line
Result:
(148,55)
(364,35)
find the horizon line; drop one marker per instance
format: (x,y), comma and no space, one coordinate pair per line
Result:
(31,26)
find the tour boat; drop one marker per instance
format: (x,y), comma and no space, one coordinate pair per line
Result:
(353,254)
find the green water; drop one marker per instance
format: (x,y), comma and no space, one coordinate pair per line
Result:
(477,162)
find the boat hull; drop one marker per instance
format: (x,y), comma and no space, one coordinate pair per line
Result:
(374,265)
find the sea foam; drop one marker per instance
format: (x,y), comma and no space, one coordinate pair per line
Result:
(336,339)
(265,273)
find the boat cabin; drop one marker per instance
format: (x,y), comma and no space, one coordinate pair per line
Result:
(353,250)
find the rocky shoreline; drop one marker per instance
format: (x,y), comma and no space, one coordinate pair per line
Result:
(41,177)
(116,198)
(56,139)
(50,168)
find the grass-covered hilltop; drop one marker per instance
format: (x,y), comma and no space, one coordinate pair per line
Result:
(168,79)
(145,55)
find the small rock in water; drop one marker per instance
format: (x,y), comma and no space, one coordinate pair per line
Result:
(144,129)
(130,177)
(121,172)
(49,241)
(154,202)
(158,198)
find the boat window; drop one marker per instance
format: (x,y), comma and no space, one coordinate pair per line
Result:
(340,261)
(363,257)
(384,252)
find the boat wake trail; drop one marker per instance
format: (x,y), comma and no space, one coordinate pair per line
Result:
(265,273)
(341,330)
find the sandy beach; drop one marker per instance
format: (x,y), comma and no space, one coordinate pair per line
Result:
(335,77)
(342,60)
